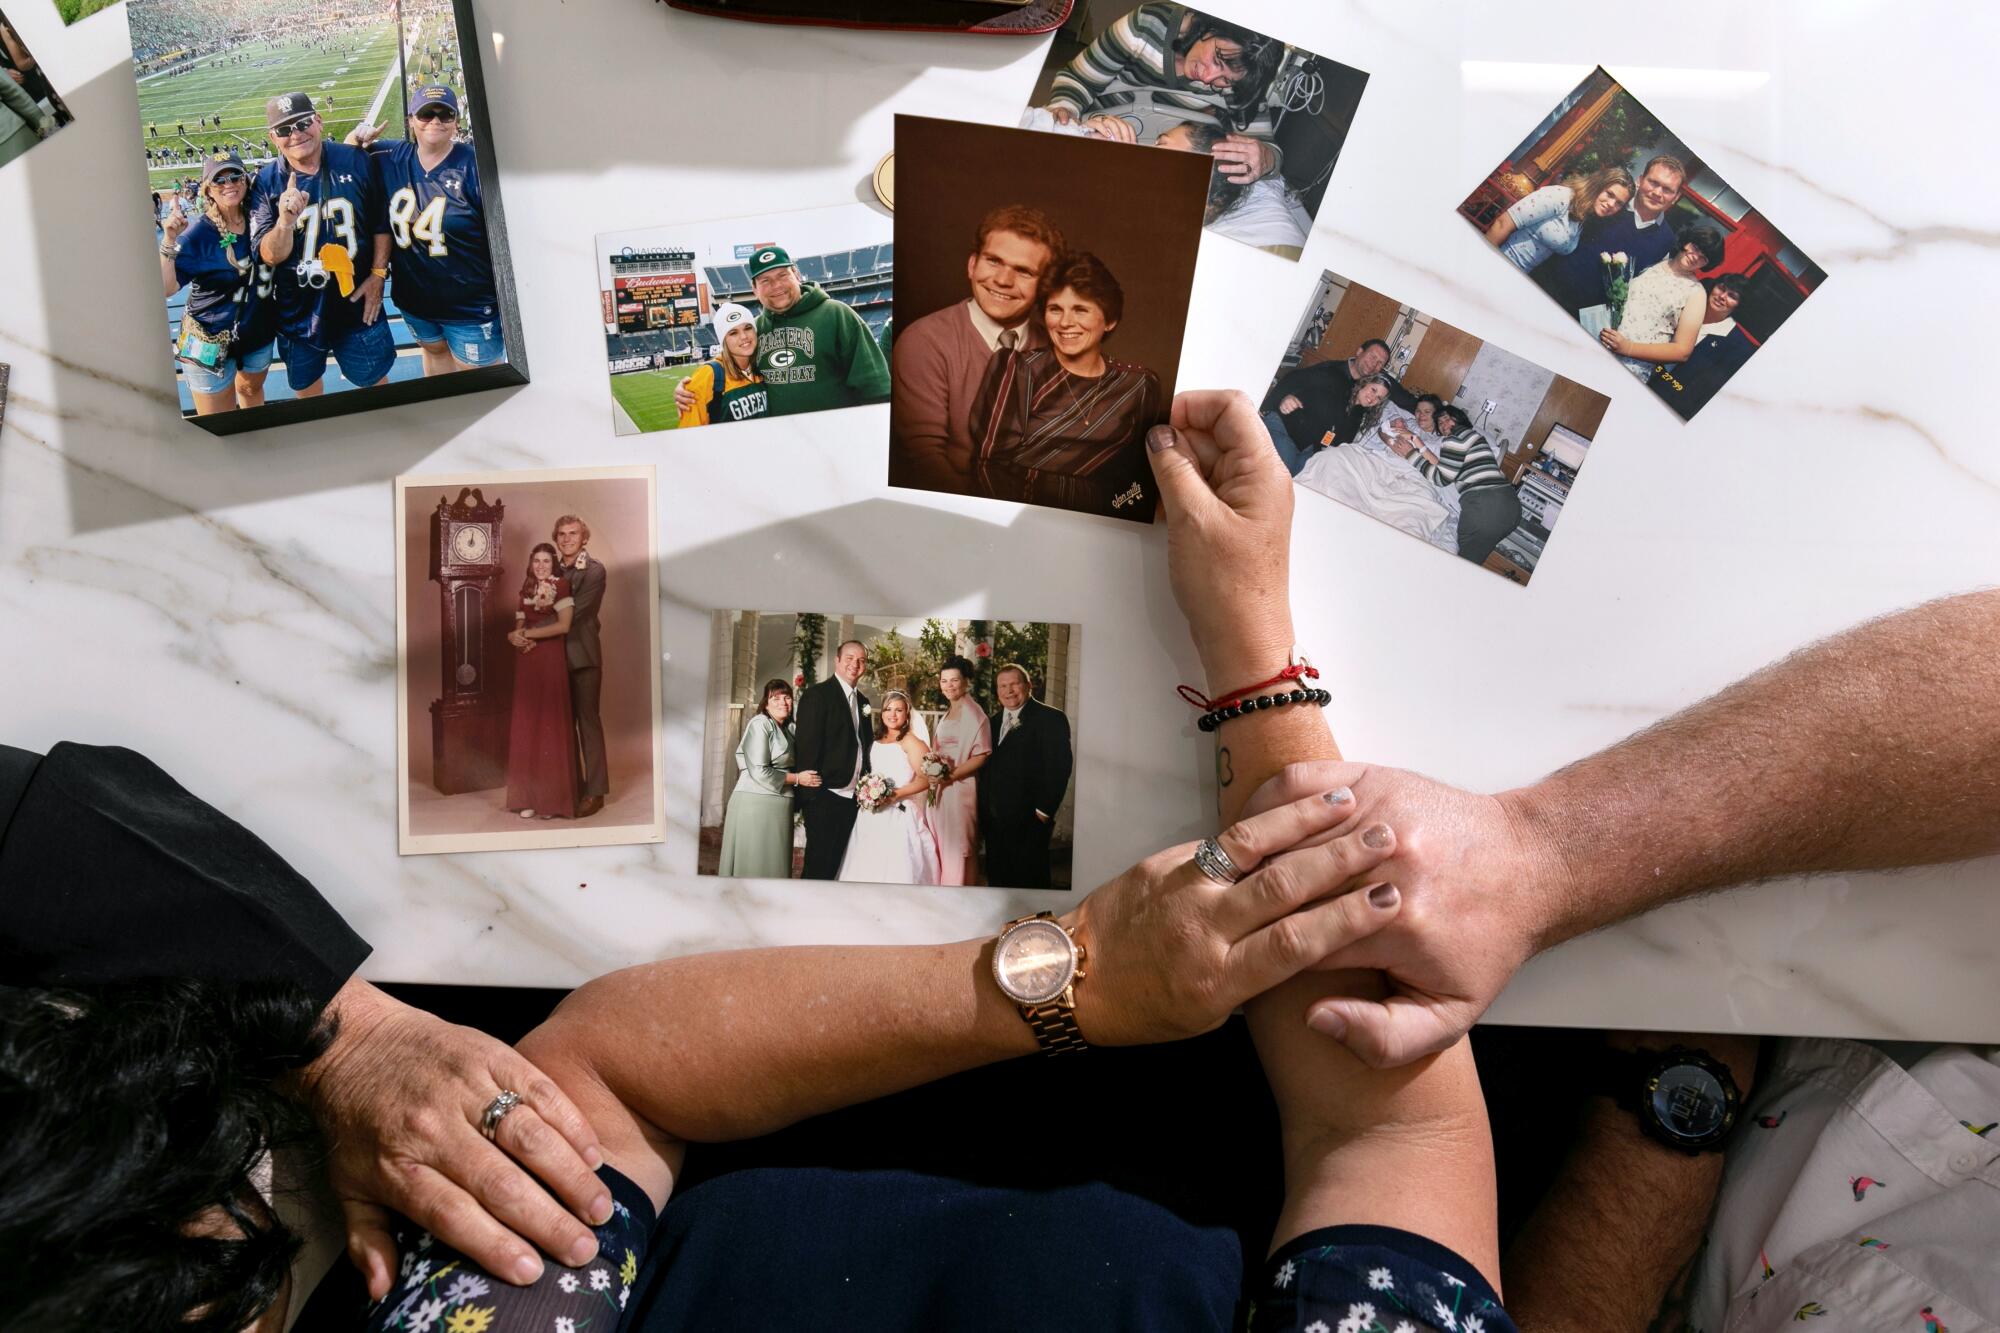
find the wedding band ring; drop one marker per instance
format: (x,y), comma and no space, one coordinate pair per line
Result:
(1211,860)
(496,1111)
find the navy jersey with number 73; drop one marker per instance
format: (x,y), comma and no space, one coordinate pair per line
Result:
(344,208)
(440,267)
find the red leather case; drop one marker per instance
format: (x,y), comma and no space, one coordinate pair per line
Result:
(1037,16)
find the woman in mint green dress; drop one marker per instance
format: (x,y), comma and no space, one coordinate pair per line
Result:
(757,827)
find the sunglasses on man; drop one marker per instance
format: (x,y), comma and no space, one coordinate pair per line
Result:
(293,128)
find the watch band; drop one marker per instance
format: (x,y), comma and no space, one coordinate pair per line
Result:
(1055,1028)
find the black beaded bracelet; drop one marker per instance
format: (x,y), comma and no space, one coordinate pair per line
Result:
(1210,721)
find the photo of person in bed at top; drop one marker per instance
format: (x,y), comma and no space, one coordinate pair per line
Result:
(1273,117)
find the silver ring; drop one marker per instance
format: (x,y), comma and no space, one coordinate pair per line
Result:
(496,1111)
(1211,860)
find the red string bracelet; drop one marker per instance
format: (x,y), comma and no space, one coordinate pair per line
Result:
(1298,670)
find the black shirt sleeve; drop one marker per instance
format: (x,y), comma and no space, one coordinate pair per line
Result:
(110,871)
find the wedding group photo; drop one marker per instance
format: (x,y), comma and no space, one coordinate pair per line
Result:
(1044,313)
(1432,430)
(1272,117)
(323,221)
(890,750)
(1633,234)
(743,318)
(30,107)
(528,660)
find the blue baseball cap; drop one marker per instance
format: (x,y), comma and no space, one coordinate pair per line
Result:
(436,95)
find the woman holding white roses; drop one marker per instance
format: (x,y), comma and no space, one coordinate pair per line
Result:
(964,739)
(892,841)
(1663,307)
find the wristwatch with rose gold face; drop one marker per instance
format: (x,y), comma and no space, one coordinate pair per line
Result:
(1038,963)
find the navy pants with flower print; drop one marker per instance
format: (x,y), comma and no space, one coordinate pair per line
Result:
(1362,1279)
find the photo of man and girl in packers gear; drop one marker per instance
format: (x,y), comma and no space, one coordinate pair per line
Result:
(744,318)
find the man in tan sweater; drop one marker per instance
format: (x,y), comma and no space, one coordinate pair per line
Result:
(941,358)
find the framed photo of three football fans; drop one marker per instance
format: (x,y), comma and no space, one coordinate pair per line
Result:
(326,206)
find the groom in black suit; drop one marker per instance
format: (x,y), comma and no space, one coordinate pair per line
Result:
(1022,785)
(832,736)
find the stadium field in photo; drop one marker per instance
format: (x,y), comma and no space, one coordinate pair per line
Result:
(647,397)
(363,88)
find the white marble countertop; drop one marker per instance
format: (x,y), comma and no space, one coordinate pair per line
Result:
(225,605)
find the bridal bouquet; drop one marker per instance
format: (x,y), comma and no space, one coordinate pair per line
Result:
(873,791)
(545,594)
(1617,283)
(937,767)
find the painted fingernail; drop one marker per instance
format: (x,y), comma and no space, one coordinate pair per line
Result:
(582,1253)
(1377,837)
(527,1268)
(1159,439)
(1338,796)
(1384,896)
(600,1210)
(1327,1023)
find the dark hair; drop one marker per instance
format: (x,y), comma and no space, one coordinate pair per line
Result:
(528,574)
(1086,275)
(1705,239)
(960,665)
(841,647)
(1456,413)
(133,1111)
(1261,57)
(1367,343)
(1431,398)
(1223,193)
(771,687)
(1736,283)
(1030,224)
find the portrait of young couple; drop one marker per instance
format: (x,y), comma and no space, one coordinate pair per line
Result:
(938,757)
(539,636)
(1046,315)
(1626,228)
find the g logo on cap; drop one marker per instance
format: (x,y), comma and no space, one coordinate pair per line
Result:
(767,256)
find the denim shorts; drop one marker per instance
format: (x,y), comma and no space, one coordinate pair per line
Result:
(364,352)
(474,344)
(204,379)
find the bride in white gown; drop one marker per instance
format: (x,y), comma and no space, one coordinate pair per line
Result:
(895,845)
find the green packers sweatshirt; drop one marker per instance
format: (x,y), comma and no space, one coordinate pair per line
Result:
(819,354)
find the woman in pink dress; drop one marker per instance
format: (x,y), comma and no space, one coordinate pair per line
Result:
(965,737)
(541,739)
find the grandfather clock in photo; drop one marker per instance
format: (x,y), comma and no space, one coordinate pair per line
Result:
(469,719)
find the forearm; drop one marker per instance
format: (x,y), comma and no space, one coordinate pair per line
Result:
(731,1045)
(169,279)
(1587,1226)
(1406,1147)
(276,247)
(1877,748)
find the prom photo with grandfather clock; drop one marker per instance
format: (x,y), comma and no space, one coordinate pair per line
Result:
(528,663)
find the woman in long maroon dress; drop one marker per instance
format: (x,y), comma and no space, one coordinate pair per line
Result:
(541,740)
